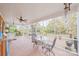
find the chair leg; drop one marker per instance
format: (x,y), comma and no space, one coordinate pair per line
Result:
(53,53)
(49,53)
(33,45)
(45,52)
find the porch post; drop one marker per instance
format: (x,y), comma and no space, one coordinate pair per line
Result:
(78,30)
(33,32)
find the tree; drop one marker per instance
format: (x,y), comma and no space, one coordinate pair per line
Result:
(72,24)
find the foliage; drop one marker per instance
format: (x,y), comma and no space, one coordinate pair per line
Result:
(58,26)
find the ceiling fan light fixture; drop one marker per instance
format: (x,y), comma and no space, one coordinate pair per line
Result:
(67,6)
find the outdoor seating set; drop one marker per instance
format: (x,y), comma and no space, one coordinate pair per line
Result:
(45,44)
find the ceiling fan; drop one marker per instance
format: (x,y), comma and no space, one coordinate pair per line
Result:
(21,19)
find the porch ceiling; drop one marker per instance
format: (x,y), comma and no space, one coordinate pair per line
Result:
(33,12)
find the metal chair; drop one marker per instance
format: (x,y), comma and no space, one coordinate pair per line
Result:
(49,48)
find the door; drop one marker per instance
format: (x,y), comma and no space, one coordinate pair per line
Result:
(2,39)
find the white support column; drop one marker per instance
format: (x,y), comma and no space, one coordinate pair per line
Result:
(78,29)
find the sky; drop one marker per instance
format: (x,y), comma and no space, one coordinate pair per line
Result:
(44,23)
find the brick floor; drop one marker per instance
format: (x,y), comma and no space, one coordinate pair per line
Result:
(24,47)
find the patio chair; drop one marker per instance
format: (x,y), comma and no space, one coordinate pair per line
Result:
(49,48)
(36,42)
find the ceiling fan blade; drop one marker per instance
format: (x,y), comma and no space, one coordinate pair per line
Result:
(20,19)
(25,19)
(17,18)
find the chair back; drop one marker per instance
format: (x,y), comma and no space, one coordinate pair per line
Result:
(54,42)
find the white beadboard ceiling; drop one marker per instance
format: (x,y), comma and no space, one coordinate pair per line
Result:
(32,11)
